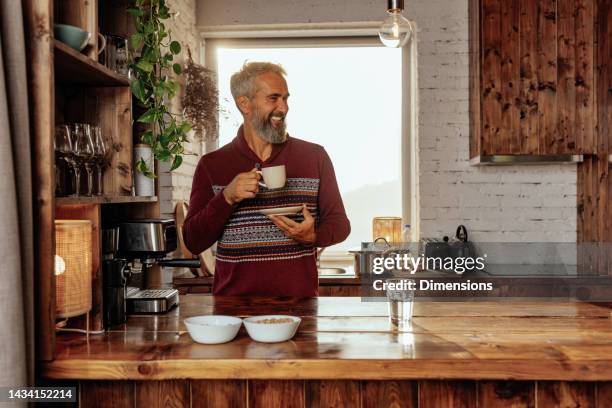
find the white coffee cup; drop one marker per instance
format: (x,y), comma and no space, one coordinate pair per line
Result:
(273,177)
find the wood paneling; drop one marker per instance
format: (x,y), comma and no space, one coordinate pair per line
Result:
(115,118)
(532,77)
(163,394)
(276,394)
(566,394)
(509,134)
(506,394)
(565,137)
(392,394)
(585,74)
(604,394)
(491,76)
(593,179)
(547,76)
(218,393)
(37,20)
(447,394)
(475,81)
(106,394)
(329,393)
(528,37)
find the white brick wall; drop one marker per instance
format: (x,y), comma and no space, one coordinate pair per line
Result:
(177,185)
(497,204)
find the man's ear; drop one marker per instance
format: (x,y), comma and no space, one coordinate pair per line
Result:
(244,104)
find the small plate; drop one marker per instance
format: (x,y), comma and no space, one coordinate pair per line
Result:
(282,210)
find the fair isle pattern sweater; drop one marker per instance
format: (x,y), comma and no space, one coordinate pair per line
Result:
(251,236)
(254,257)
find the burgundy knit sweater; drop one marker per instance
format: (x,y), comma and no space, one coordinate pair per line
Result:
(254,257)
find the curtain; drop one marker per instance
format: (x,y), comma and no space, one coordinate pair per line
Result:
(16,218)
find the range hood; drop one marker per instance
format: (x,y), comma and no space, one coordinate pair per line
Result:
(507,159)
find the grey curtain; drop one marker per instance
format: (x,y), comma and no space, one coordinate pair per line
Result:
(16,231)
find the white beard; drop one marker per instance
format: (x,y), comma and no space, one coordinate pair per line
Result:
(266,131)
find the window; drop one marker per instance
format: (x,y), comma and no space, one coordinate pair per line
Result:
(346,96)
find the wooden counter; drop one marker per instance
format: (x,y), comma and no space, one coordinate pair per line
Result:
(350,340)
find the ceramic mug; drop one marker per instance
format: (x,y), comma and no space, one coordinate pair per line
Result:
(273,177)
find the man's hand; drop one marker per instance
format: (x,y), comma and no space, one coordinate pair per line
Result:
(303,232)
(244,185)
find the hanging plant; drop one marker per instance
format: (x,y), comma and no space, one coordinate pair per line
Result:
(153,88)
(201,99)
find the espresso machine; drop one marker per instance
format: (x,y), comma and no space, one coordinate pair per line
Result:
(137,245)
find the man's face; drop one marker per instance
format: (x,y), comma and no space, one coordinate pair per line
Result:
(269,108)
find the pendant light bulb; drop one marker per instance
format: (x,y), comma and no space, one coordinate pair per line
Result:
(395,30)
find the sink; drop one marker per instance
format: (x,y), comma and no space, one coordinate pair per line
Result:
(331,271)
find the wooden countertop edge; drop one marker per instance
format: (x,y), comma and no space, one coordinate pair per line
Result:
(508,369)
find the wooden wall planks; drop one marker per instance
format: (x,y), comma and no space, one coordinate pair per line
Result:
(162,394)
(276,394)
(38,31)
(397,394)
(106,394)
(332,393)
(451,394)
(491,76)
(218,393)
(506,394)
(532,66)
(509,134)
(594,181)
(329,393)
(566,394)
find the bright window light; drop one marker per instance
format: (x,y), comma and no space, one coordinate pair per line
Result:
(347,99)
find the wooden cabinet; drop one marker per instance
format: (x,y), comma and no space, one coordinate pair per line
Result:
(68,86)
(532,77)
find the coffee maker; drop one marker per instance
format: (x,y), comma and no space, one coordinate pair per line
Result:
(115,272)
(137,245)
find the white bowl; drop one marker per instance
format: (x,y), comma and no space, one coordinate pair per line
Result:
(271,332)
(213,329)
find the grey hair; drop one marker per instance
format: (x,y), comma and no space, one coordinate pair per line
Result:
(242,82)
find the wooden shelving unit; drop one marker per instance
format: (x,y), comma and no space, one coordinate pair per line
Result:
(104,200)
(70,87)
(72,68)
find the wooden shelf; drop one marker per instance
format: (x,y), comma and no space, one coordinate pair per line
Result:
(74,68)
(104,200)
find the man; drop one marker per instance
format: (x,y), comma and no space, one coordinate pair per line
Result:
(259,255)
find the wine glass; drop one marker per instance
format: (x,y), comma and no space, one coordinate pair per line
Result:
(100,151)
(91,158)
(83,154)
(62,143)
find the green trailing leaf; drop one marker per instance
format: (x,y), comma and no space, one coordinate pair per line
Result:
(176,163)
(138,89)
(137,40)
(149,116)
(175,47)
(144,65)
(152,86)
(147,137)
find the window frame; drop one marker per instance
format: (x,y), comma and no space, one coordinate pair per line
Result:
(295,36)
